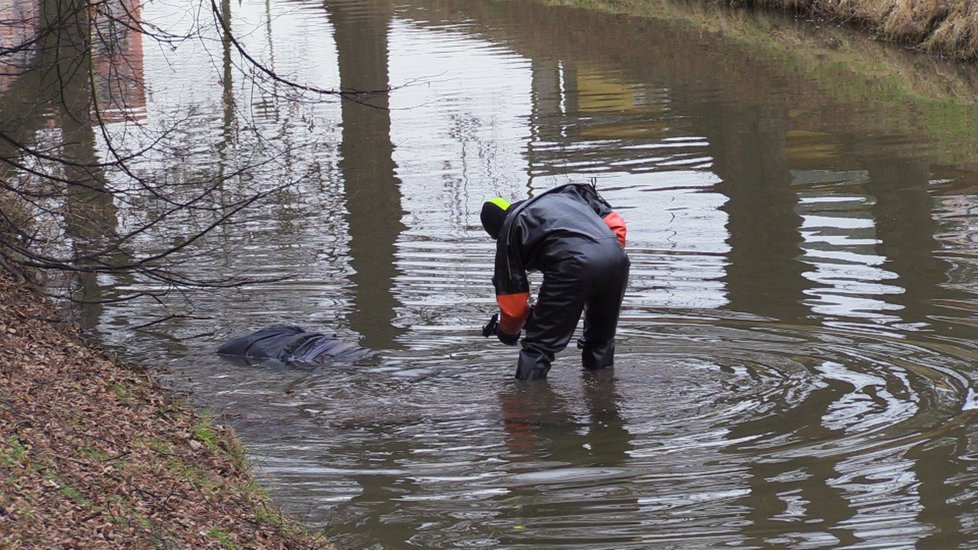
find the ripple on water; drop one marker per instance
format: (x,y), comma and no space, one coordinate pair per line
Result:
(709,431)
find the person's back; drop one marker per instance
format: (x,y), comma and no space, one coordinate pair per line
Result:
(555,226)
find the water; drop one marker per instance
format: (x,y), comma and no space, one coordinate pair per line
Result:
(796,351)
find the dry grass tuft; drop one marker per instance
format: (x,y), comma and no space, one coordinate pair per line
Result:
(912,21)
(957,34)
(945,27)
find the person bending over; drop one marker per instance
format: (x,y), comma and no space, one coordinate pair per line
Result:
(571,234)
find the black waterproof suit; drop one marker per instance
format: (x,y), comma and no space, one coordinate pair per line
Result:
(573,236)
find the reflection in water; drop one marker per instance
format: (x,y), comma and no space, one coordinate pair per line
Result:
(586,118)
(796,492)
(90,214)
(367,165)
(117,59)
(383,485)
(764,275)
(797,345)
(840,241)
(552,450)
(53,42)
(942,504)
(902,208)
(17,33)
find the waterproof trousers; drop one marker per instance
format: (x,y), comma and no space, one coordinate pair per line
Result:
(590,277)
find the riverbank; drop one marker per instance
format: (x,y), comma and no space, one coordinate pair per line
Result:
(833,64)
(95,454)
(946,29)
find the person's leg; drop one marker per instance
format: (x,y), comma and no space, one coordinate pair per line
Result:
(601,316)
(554,318)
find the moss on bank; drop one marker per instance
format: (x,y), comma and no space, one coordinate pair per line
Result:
(97,455)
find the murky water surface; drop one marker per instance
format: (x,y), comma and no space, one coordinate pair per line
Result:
(796,363)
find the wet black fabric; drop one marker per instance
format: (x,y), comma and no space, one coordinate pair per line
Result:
(590,277)
(291,344)
(533,229)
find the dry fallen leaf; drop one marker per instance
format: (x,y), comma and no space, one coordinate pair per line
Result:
(96,464)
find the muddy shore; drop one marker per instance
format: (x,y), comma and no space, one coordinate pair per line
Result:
(96,454)
(940,27)
(946,29)
(929,95)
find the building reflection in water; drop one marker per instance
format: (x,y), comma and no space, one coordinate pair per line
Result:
(18,29)
(117,56)
(47,87)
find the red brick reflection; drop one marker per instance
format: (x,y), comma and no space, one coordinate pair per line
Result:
(117,57)
(18,26)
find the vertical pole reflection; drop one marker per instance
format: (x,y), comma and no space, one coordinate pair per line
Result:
(795,490)
(545,112)
(367,166)
(383,491)
(942,467)
(540,429)
(905,229)
(90,212)
(553,89)
(765,274)
(227,96)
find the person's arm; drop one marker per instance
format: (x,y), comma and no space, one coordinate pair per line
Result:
(512,291)
(617,225)
(514,309)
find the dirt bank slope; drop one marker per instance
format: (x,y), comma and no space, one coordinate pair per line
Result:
(945,27)
(96,455)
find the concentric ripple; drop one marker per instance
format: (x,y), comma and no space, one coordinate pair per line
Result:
(707,432)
